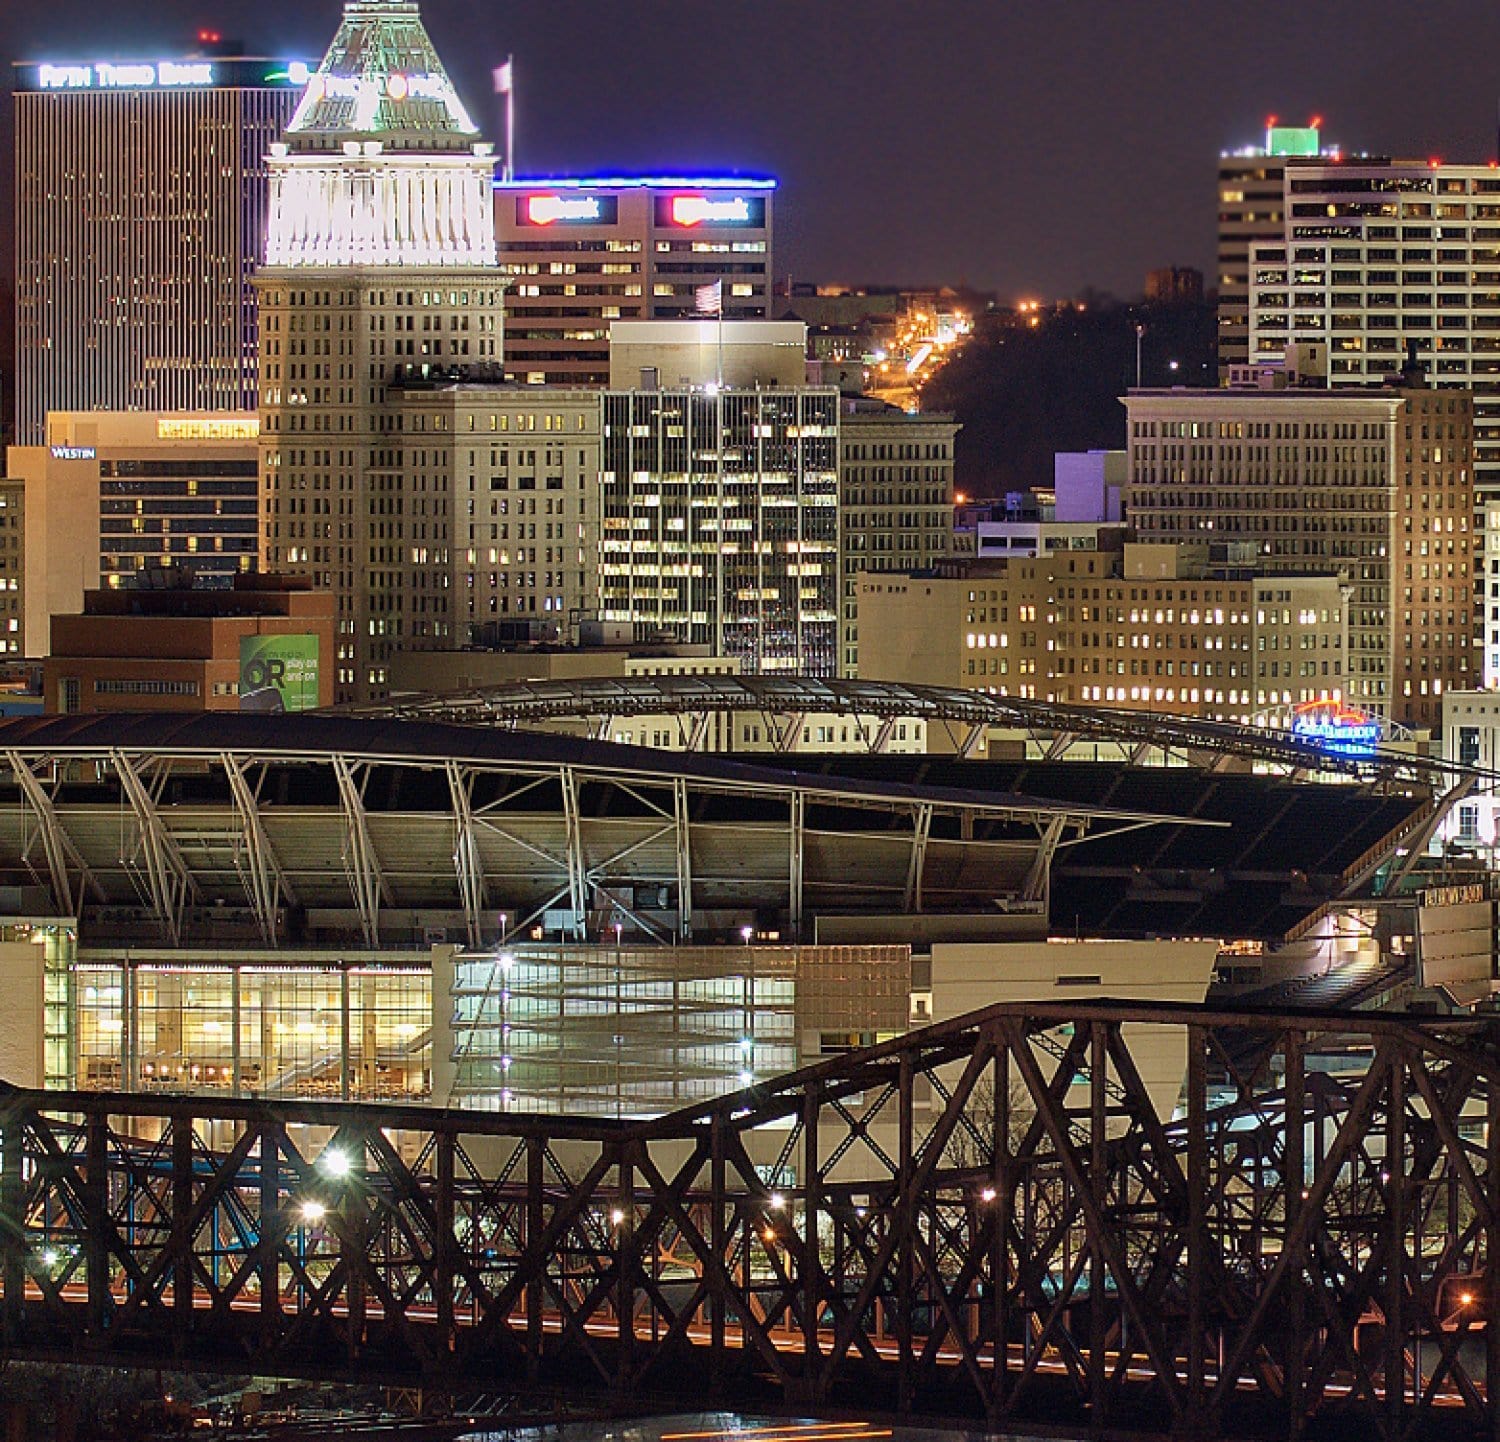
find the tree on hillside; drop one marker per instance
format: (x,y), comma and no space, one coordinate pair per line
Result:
(1024,393)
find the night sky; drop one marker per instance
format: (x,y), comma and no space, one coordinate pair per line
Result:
(1033,147)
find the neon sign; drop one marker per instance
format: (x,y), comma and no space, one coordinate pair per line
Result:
(545,209)
(692,210)
(73,453)
(108,75)
(1339,729)
(394,87)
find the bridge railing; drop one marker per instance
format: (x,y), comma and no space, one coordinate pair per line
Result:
(987,1219)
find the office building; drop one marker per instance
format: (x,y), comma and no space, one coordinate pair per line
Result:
(895,500)
(380,264)
(999,540)
(1137,626)
(162,644)
(140,215)
(509,476)
(113,493)
(1471,737)
(12,566)
(583,252)
(1375,486)
(1378,256)
(1252,208)
(720,522)
(1088,486)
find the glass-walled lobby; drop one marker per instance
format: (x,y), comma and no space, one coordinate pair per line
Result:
(330,1030)
(592,1029)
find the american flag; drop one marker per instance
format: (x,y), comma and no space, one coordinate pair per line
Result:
(710,298)
(504,79)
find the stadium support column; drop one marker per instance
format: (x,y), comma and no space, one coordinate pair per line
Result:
(577,882)
(921,829)
(267,882)
(167,873)
(466,859)
(1037,886)
(58,848)
(683,824)
(797,811)
(366,880)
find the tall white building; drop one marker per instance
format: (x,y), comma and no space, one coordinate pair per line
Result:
(140,217)
(380,268)
(1376,257)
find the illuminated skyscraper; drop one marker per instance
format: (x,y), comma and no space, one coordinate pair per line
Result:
(1379,258)
(140,215)
(720,522)
(380,267)
(1251,209)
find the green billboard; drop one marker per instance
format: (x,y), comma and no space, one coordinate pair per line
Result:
(278,673)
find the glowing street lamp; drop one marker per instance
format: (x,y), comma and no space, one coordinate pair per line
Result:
(334,1163)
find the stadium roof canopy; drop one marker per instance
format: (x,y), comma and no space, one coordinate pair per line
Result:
(966,716)
(334,829)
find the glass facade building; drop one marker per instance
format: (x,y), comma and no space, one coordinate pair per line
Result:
(141,201)
(720,523)
(590,1029)
(620,1032)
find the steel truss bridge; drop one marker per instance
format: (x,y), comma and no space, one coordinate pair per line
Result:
(983,1220)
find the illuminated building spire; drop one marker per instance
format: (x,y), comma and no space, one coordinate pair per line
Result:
(382,80)
(381,164)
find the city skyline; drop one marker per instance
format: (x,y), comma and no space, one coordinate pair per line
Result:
(1110,144)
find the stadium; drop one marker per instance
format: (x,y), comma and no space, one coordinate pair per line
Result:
(390,905)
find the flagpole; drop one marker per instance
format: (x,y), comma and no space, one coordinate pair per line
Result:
(510,118)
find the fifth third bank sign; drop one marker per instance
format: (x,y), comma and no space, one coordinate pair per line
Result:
(278,673)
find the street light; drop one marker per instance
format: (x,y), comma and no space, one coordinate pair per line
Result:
(334,1163)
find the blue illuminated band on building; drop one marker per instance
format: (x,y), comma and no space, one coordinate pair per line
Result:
(638,182)
(1337,728)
